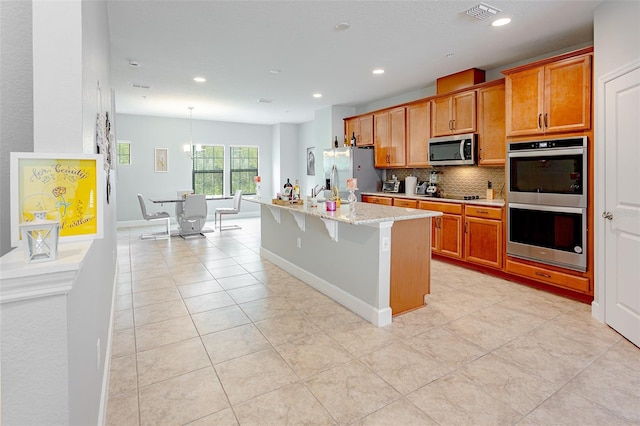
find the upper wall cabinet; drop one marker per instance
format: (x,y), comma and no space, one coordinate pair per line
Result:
(454,114)
(491,125)
(362,127)
(552,97)
(418,135)
(389,137)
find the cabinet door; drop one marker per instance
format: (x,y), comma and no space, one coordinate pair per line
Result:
(365,137)
(403,202)
(464,112)
(381,138)
(397,137)
(352,126)
(441,116)
(418,135)
(491,126)
(451,235)
(524,98)
(483,241)
(567,96)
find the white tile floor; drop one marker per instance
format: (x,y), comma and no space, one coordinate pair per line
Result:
(208,333)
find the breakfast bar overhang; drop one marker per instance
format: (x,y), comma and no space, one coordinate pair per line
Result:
(372,259)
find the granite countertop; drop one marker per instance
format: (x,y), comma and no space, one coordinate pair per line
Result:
(364,214)
(481,201)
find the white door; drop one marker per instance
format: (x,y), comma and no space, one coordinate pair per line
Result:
(622,204)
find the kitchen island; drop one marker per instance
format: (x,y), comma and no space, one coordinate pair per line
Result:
(374,260)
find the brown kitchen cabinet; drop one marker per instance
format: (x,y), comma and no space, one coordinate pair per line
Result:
(418,132)
(374,199)
(548,275)
(404,202)
(446,230)
(389,136)
(362,127)
(453,114)
(491,125)
(549,96)
(483,235)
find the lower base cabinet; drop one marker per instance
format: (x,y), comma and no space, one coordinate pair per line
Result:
(386,201)
(549,276)
(446,230)
(483,236)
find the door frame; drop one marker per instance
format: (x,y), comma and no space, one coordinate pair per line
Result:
(598,304)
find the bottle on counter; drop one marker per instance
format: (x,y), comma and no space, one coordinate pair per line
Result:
(288,184)
(346,141)
(335,185)
(296,191)
(335,143)
(353,139)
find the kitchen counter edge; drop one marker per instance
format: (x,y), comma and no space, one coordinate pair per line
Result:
(481,202)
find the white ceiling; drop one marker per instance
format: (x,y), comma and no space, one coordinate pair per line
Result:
(235,45)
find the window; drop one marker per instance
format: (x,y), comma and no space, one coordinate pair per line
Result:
(244,167)
(208,170)
(124,152)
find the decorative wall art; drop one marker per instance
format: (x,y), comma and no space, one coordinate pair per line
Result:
(311,162)
(67,187)
(161,157)
(104,139)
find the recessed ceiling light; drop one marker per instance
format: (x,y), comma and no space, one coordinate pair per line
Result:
(501,22)
(449,55)
(341,26)
(264,101)
(378,71)
(275,71)
(199,79)
(134,64)
(317,95)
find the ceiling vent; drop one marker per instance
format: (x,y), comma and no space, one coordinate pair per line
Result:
(483,11)
(140,86)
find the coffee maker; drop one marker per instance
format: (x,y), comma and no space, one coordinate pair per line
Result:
(432,187)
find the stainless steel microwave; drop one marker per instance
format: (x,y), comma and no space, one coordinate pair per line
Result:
(454,150)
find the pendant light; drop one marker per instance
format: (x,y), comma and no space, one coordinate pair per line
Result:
(188,149)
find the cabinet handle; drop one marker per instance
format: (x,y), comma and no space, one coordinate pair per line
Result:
(482,211)
(539,121)
(465,227)
(542,274)
(546,121)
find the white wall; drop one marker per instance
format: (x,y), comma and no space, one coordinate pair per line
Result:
(70,55)
(16,99)
(147,133)
(616,43)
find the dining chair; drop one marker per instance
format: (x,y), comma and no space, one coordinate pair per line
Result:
(237,197)
(152,217)
(181,196)
(194,216)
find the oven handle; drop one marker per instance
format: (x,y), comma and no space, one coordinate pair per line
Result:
(576,210)
(547,152)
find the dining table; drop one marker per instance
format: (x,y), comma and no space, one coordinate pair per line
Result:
(175,200)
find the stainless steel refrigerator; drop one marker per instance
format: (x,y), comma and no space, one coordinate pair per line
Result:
(352,163)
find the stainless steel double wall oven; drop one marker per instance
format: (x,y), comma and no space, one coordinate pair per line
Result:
(547,201)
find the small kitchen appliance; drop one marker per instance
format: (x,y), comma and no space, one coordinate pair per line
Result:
(454,150)
(394,186)
(434,180)
(421,188)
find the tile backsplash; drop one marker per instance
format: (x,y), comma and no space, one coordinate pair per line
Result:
(460,180)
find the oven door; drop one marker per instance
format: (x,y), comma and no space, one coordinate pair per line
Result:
(548,234)
(551,177)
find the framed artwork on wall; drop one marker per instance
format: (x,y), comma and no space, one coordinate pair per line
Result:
(63,186)
(311,162)
(161,158)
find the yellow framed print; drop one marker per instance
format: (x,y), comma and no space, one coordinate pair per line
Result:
(68,187)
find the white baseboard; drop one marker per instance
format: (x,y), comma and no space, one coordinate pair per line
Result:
(377,317)
(141,222)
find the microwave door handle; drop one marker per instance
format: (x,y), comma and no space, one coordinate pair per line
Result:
(462,150)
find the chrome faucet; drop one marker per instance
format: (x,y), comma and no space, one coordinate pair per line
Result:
(316,190)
